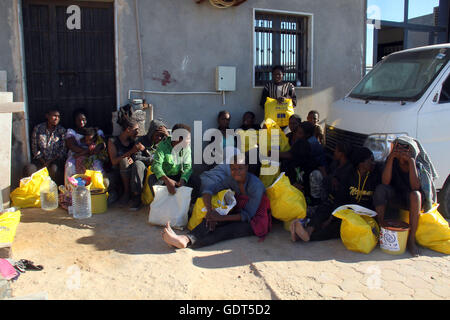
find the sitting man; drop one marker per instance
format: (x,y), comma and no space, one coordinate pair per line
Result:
(169,168)
(48,148)
(251,202)
(143,159)
(358,188)
(407,184)
(121,150)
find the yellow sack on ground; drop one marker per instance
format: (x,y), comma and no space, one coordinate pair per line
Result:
(433,231)
(265,140)
(96,179)
(280,112)
(359,230)
(8,225)
(27,195)
(147,195)
(222,202)
(286,201)
(248,139)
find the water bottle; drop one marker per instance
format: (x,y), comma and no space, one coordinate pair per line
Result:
(49,195)
(81,202)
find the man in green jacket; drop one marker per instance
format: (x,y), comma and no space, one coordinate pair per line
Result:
(172,163)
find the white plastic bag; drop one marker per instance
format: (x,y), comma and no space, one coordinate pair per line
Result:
(166,207)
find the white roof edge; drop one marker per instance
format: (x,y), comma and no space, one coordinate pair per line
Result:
(435,46)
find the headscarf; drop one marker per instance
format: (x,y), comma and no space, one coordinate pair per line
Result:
(425,168)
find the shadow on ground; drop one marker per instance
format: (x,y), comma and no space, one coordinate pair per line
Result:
(129,233)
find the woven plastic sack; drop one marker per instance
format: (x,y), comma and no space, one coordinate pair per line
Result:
(9,221)
(146,195)
(286,201)
(433,231)
(170,208)
(223,202)
(359,230)
(27,195)
(279,112)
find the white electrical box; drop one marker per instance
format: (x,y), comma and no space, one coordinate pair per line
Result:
(225,78)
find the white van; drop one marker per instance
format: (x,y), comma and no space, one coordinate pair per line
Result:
(408,92)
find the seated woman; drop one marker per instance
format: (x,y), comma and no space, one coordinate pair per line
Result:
(143,159)
(251,200)
(358,189)
(87,148)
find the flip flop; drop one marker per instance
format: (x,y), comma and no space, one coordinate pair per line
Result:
(29,265)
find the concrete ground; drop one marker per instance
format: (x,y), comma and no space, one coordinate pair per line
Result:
(118,255)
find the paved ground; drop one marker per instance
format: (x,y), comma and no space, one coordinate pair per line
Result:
(117,255)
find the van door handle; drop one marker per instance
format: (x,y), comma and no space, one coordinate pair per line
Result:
(436,97)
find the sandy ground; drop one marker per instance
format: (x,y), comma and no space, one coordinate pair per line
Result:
(118,255)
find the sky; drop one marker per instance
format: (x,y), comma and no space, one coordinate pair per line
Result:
(393,10)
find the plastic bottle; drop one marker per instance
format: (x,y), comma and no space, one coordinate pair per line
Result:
(49,195)
(81,202)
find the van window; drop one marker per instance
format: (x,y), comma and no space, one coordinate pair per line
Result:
(445,92)
(402,76)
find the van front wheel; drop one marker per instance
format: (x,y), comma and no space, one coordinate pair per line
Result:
(444,199)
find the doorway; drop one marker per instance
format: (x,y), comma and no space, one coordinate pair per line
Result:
(70,68)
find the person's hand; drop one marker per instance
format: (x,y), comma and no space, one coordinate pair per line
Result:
(280,100)
(170,184)
(140,146)
(180,183)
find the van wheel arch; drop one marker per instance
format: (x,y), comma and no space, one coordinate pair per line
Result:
(444,199)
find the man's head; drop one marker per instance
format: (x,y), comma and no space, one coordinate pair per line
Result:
(249,118)
(342,151)
(277,74)
(363,159)
(308,129)
(224,119)
(53,117)
(181,133)
(130,128)
(313,117)
(239,168)
(294,122)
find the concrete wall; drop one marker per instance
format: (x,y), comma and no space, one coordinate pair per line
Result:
(189,40)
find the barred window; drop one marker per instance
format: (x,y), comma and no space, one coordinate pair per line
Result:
(281,40)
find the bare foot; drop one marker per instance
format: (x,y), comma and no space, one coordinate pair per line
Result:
(300,231)
(413,249)
(294,236)
(172,239)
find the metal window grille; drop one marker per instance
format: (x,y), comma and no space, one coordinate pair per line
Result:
(281,40)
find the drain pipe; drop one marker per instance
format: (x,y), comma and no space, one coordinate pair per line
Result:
(177,93)
(138,35)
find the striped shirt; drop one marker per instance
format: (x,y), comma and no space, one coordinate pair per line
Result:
(274,91)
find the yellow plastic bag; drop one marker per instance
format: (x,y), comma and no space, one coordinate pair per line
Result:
(268,179)
(8,225)
(265,140)
(286,201)
(218,201)
(248,139)
(280,112)
(96,179)
(147,195)
(27,195)
(433,231)
(359,231)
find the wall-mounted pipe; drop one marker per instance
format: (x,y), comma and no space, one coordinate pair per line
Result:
(177,93)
